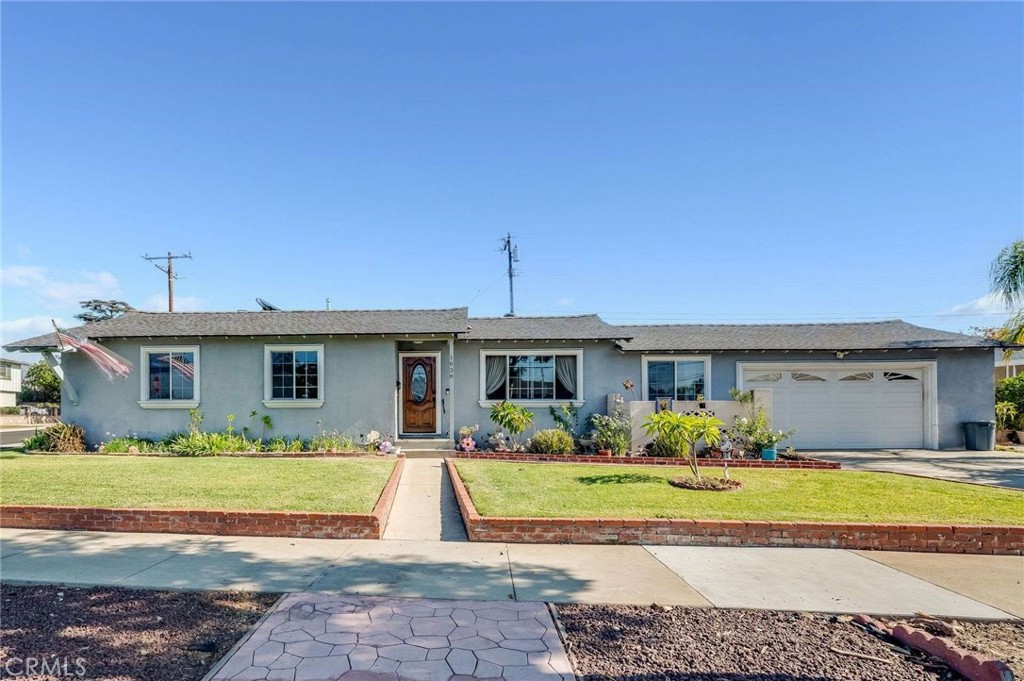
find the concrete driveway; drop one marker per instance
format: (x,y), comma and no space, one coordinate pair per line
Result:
(1004,469)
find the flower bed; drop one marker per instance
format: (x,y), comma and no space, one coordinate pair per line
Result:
(251,455)
(817,464)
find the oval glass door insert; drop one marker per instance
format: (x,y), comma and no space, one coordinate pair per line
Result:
(419,384)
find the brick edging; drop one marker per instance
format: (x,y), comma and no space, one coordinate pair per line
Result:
(971,665)
(812,464)
(979,539)
(210,521)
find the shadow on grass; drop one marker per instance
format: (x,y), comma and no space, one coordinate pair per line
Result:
(618,479)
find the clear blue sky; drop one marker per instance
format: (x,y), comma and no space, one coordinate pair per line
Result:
(657,162)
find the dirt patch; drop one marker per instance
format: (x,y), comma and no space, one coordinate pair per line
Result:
(110,634)
(636,643)
(707,484)
(998,640)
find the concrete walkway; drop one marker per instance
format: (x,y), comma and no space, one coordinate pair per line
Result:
(829,580)
(425,506)
(1003,469)
(321,637)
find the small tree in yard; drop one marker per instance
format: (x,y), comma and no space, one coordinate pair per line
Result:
(680,433)
(513,419)
(40,384)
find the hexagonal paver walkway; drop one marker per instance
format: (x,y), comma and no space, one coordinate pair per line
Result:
(330,637)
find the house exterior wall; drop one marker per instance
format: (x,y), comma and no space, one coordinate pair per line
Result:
(604,370)
(359,377)
(10,388)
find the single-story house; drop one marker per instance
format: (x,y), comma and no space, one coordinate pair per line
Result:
(425,373)
(11,371)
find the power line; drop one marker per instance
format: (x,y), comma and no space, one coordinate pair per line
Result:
(169,271)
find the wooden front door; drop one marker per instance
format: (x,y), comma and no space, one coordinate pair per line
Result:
(419,395)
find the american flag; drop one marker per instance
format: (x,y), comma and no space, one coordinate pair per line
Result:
(186,369)
(110,363)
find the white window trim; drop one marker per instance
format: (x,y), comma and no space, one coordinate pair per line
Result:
(929,381)
(676,358)
(293,403)
(569,352)
(144,401)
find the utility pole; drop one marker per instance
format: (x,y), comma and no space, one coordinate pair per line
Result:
(513,256)
(169,271)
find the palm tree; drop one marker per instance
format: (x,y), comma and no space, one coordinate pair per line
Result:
(1007,274)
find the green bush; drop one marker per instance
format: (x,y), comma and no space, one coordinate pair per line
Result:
(552,441)
(60,437)
(121,445)
(1011,390)
(513,419)
(10,411)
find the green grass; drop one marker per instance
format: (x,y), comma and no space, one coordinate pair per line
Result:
(546,490)
(235,483)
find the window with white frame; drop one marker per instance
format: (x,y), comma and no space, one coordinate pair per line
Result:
(293,374)
(553,376)
(5,372)
(170,376)
(676,378)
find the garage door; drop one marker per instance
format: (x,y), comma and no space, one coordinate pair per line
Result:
(857,408)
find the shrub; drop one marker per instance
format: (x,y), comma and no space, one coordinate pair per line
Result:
(331,442)
(1006,415)
(512,418)
(612,432)
(10,411)
(1011,390)
(551,441)
(122,445)
(60,437)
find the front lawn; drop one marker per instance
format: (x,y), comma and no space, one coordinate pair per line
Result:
(549,490)
(229,483)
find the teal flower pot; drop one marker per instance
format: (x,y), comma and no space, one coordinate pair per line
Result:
(768,454)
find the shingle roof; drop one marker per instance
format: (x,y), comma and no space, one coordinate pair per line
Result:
(278,323)
(883,335)
(579,327)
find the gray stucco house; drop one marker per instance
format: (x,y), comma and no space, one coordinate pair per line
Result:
(425,373)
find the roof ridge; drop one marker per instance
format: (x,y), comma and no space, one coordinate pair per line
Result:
(553,316)
(390,309)
(762,324)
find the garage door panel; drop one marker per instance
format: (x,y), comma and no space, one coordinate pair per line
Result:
(868,411)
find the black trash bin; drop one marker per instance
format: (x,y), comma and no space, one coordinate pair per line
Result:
(980,436)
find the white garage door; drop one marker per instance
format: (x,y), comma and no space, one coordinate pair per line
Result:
(858,408)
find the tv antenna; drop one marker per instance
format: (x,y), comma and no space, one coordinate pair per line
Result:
(513,256)
(169,271)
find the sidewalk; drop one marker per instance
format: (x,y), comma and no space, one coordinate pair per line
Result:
(826,580)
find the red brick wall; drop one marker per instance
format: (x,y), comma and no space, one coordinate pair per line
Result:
(931,538)
(197,521)
(816,464)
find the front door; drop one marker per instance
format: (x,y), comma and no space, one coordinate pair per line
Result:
(419,394)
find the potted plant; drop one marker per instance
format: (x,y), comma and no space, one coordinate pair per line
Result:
(767,442)
(466,441)
(1006,418)
(612,435)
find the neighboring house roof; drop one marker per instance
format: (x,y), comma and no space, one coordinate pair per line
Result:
(579,327)
(884,335)
(276,323)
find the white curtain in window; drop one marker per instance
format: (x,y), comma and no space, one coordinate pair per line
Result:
(565,372)
(495,378)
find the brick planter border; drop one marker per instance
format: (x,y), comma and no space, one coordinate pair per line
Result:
(981,539)
(202,521)
(814,464)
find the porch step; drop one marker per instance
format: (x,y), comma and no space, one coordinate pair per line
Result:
(426,448)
